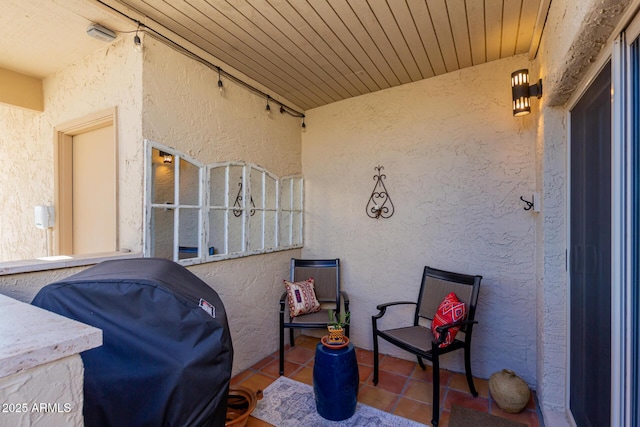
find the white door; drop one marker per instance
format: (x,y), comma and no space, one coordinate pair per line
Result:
(94,191)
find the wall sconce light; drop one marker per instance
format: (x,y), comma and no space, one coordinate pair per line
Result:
(166,157)
(521,92)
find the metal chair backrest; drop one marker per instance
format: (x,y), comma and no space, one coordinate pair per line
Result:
(437,284)
(326,274)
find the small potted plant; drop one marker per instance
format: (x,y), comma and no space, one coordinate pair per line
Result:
(337,323)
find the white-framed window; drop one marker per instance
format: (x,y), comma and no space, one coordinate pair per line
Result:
(174,204)
(196,213)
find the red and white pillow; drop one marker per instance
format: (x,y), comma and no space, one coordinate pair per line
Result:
(451,310)
(302,297)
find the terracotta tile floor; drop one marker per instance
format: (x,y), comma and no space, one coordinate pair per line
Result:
(403,389)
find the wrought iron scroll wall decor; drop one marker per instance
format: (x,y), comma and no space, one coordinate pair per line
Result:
(380,204)
(238,203)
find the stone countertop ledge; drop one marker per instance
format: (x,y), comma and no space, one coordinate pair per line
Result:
(31,336)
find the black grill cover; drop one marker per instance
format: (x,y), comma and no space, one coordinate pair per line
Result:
(165,361)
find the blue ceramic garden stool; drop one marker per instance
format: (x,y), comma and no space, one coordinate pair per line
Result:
(335,382)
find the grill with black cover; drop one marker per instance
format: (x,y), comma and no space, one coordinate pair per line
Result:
(167,352)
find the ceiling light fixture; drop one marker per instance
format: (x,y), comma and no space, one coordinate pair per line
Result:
(167,41)
(268,107)
(220,86)
(521,92)
(293,113)
(99,32)
(136,40)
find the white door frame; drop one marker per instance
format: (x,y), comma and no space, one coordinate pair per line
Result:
(63,170)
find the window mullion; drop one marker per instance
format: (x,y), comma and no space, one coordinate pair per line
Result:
(263,197)
(278,213)
(203,251)
(246,192)
(290,212)
(299,209)
(148,195)
(225,225)
(176,210)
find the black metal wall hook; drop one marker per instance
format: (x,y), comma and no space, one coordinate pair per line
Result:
(379,204)
(529,204)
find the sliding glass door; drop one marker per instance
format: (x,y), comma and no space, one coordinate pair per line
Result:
(625,369)
(590,254)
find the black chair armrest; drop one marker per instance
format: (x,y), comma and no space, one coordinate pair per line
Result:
(389,304)
(445,328)
(345,296)
(345,299)
(442,330)
(283,301)
(383,307)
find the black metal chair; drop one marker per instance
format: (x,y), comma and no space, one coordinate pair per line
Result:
(419,340)
(326,274)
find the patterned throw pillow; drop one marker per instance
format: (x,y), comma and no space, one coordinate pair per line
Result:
(451,310)
(302,297)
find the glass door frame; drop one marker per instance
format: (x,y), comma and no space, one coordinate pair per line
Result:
(628,348)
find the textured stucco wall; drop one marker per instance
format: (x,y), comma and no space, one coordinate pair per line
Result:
(551,313)
(456,163)
(575,32)
(110,77)
(250,289)
(107,78)
(184,110)
(24,287)
(26,180)
(47,395)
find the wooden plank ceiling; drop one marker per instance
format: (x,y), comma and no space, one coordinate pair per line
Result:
(315,52)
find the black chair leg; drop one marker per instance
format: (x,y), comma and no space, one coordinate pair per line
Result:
(375,355)
(436,391)
(291,340)
(281,350)
(421,363)
(467,369)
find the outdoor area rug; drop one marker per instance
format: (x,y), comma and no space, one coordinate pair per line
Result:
(465,417)
(289,403)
